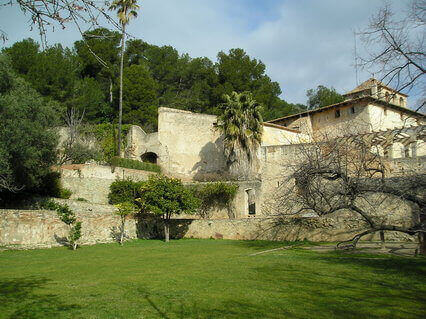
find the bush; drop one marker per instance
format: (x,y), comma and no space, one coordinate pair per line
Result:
(134,164)
(53,187)
(27,141)
(214,194)
(165,196)
(106,137)
(68,217)
(122,191)
(65,193)
(79,153)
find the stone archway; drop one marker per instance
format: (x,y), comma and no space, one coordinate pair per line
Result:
(149,157)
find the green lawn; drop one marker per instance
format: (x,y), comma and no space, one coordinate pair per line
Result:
(208,279)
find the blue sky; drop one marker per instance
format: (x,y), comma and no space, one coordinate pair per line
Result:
(304,43)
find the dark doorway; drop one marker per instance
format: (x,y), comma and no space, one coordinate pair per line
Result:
(149,157)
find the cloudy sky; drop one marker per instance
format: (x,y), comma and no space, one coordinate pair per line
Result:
(304,43)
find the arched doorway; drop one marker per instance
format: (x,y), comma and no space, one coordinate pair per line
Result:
(149,157)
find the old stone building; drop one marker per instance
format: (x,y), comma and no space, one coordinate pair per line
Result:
(188,146)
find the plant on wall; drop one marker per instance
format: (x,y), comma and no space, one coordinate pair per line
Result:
(124,210)
(106,137)
(124,190)
(214,195)
(165,196)
(68,217)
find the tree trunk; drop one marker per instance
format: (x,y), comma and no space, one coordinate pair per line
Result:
(123,221)
(120,106)
(110,90)
(422,243)
(166,230)
(382,240)
(422,236)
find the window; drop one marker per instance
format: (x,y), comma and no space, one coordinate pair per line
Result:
(251,204)
(401,101)
(406,151)
(387,97)
(352,110)
(337,114)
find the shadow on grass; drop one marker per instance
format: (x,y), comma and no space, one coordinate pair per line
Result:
(413,268)
(19,299)
(172,309)
(266,244)
(352,286)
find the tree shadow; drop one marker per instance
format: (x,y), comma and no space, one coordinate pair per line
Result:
(212,163)
(115,233)
(226,309)
(413,268)
(20,298)
(265,244)
(63,241)
(335,286)
(149,226)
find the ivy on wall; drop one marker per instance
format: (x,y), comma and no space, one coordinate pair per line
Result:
(106,138)
(214,195)
(211,195)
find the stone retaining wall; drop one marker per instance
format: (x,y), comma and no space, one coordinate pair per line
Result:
(318,229)
(42,228)
(91,182)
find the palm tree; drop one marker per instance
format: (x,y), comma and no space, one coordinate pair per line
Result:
(240,122)
(126,10)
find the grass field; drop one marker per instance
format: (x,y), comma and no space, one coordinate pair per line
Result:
(208,279)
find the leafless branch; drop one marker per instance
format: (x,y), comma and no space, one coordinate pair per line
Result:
(395,47)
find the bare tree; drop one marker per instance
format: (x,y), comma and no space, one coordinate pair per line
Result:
(73,120)
(78,147)
(348,175)
(45,14)
(395,47)
(7,185)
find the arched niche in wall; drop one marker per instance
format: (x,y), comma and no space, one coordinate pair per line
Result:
(149,157)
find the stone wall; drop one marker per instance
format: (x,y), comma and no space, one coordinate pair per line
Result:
(317,230)
(194,147)
(43,228)
(91,182)
(276,135)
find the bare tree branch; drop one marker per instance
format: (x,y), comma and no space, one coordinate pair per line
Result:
(395,48)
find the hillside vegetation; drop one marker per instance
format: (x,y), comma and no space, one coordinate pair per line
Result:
(85,77)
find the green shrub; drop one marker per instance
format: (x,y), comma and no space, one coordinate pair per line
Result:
(124,190)
(134,164)
(106,137)
(65,193)
(27,141)
(79,153)
(81,199)
(214,194)
(68,217)
(123,210)
(165,196)
(53,186)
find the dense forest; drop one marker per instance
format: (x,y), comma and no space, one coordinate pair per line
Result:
(85,77)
